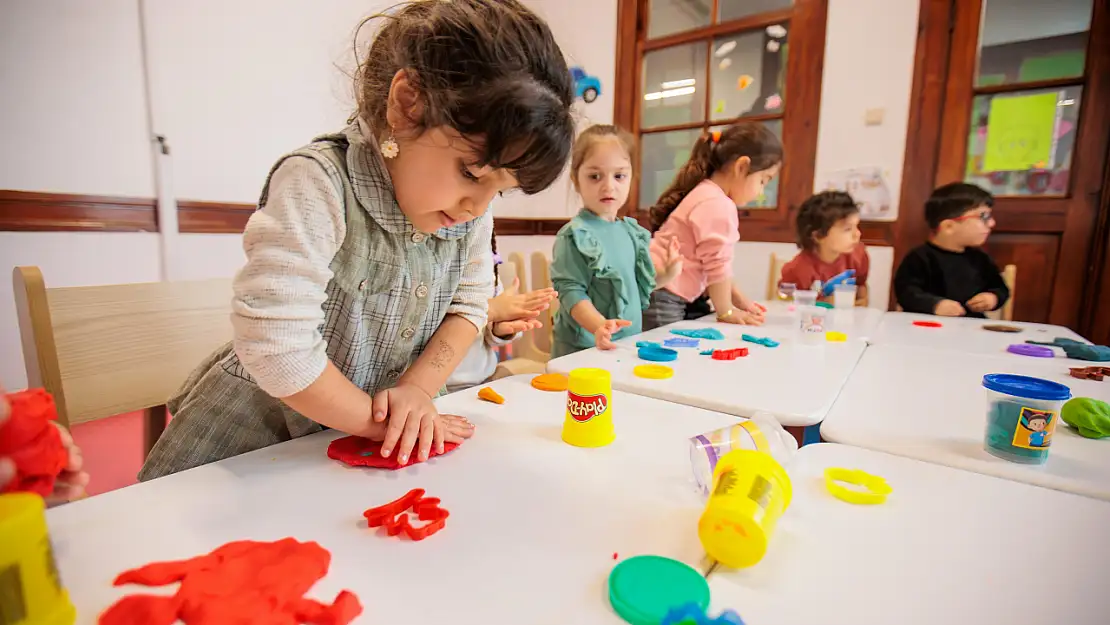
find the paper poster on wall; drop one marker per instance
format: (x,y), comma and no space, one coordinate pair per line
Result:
(1021,131)
(867,186)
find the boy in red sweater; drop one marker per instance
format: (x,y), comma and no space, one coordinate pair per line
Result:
(828,233)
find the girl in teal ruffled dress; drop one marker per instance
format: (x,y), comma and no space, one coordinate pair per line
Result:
(601,266)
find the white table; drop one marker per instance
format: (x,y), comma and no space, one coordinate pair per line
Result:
(929,404)
(965,334)
(533,528)
(948,547)
(795,383)
(859,322)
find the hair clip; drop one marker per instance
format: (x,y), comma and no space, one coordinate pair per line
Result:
(715,136)
(497,259)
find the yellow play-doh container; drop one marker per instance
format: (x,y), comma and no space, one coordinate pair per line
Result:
(750,492)
(589,419)
(31,591)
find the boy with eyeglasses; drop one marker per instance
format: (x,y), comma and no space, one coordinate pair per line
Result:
(949,275)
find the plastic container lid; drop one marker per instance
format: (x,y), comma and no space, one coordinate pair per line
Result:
(644,588)
(1027,387)
(1036,351)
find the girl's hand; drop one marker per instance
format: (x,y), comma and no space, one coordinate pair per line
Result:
(737,318)
(412,418)
(7,467)
(512,305)
(748,319)
(72,481)
(456,429)
(507,329)
(603,338)
(672,261)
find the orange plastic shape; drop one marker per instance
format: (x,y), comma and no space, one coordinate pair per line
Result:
(553,382)
(490,395)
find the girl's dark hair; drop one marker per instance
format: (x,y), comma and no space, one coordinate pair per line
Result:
(712,153)
(594,135)
(489,69)
(493,246)
(819,213)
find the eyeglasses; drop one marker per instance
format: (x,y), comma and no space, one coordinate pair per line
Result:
(983,216)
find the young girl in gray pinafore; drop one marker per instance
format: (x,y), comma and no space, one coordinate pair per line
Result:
(368,261)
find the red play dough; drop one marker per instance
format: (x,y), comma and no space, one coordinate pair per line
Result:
(32,442)
(241,582)
(363,452)
(927,324)
(730,354)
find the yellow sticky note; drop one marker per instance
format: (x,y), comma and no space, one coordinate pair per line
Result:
(1020,131)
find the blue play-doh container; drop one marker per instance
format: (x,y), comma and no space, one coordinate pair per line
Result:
(1022,412)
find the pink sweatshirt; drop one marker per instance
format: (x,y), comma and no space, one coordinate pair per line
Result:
(706,224)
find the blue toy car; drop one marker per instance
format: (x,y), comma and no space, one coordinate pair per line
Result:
(585,86)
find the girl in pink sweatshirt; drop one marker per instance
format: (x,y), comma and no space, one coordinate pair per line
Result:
(726,170)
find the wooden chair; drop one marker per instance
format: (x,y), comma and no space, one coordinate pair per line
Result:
(108,350)
(1006,313)
(774,277)
(526,357)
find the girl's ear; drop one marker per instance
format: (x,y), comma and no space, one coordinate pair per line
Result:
(741,166)
(404,108)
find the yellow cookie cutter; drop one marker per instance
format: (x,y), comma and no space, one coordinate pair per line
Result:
(836,337)
(877,488)
(653,372)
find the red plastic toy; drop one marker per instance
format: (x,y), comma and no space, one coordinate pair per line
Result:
(32,442)
(394,517)
(730,354)
(363,452)
(242,582)
(928,324)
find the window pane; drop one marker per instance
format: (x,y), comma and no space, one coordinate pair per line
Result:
(748,74)
(674,85)
(674,16)
(662,155)
(1021,143)
(1027,40)
(770,197)
(735,9)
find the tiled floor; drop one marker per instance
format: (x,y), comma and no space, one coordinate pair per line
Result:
(112,449)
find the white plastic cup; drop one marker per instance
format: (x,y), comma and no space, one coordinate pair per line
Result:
(805,298)
(760,433)
(844,296)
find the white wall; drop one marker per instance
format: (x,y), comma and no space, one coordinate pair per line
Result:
(72,114)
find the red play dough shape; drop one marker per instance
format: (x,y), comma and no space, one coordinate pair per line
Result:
(241,582)
(394,517)
(928,324)
(32,442)
(363,452)
(730,354)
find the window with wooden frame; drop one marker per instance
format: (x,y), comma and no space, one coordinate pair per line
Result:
(685,67)
(1014,96)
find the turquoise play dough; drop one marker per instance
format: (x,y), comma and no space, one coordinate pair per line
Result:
(709,334)
(657,354)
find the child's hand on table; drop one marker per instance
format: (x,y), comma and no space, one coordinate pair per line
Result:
(949,308)
(414,422)
(603,338)
(983,302)
(512,305)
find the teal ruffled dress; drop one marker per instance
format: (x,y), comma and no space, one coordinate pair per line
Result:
(606,262)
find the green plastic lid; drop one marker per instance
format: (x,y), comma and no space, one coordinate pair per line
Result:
(644,588)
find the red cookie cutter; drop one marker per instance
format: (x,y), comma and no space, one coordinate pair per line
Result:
(730,354)
(394,518)
(928,324)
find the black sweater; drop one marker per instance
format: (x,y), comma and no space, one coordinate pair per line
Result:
(929,274)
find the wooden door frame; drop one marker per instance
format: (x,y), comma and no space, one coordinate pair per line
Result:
(933,159)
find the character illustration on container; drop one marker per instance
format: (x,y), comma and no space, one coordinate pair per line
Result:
(586,86)
(1034,429)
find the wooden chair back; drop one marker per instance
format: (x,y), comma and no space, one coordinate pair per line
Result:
(108,350)
(1006,313)
(774,277)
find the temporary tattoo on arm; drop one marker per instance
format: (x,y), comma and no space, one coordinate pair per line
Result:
(442,355)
